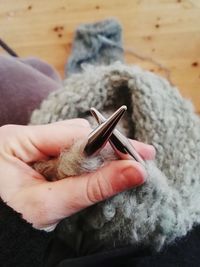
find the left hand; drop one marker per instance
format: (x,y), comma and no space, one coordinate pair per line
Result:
(43,203)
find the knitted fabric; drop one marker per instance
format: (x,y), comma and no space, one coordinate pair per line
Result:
(167,205)
(98,43)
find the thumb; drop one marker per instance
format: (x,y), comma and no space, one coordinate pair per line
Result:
(113,178)
(75,193)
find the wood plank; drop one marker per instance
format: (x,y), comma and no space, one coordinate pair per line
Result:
(164,32)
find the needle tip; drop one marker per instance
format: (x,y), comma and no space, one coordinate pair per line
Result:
(98,138)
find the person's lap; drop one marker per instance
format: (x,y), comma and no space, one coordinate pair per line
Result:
(24,83)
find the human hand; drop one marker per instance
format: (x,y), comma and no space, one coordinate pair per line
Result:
(43,203)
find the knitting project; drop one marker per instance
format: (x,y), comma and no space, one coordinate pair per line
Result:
(167,205)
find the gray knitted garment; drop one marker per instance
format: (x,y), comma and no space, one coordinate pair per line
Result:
(167,205)
(98,43)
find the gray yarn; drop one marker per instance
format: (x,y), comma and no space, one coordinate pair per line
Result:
(99,43)
(167,205)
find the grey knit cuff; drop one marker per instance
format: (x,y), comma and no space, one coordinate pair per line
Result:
(98,44)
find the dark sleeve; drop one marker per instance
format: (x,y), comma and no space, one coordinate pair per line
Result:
(20,244)
(183,252)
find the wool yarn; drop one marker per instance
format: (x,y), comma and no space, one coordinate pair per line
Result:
(166,206)
(97,43)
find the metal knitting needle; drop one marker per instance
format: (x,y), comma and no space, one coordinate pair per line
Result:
(118,141)
(100,136)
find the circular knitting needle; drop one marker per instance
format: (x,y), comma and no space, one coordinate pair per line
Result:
(118,141)
(99,137)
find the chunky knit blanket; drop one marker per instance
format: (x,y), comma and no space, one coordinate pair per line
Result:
(167,205)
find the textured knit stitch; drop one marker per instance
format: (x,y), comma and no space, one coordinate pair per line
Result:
(99,43)
(167,205)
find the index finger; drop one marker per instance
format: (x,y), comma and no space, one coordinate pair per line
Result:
(50,139)
(32,143)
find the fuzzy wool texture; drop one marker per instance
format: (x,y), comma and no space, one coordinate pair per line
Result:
(98,43)
(167,205)
(72,162)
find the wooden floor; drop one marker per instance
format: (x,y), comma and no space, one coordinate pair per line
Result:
(160,35)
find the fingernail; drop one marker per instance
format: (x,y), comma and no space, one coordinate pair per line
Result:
(135,174)
(150,152)
(153,149)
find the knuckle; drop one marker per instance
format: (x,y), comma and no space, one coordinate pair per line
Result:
(6,133)
(9,133)
(8,127)
(83,122)
(98,188)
